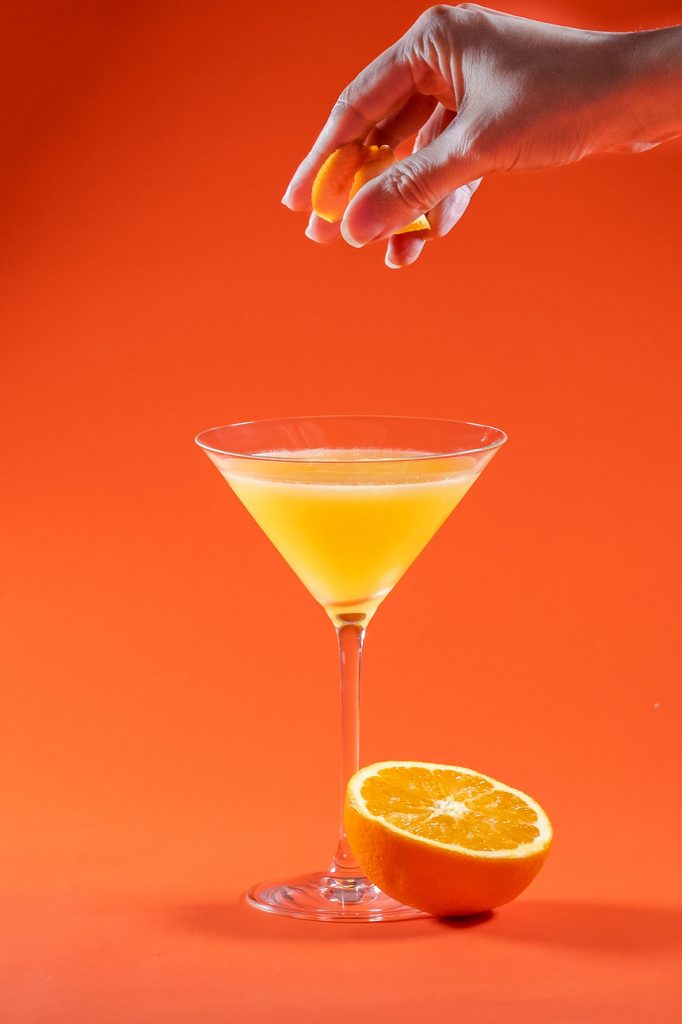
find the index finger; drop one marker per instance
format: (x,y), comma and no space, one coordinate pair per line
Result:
(383,87)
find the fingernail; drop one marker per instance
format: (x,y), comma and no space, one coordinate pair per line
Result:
(366,228)
(309,228)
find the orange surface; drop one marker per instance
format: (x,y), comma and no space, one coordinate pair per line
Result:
(168,685)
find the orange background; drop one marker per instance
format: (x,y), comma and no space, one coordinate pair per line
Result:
(169,688)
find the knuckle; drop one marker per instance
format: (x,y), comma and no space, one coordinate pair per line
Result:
(349,108)
(435,17)
(413,190)
(347,105)
(472,15)
(342,105)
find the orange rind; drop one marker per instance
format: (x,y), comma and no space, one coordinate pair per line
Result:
(344,173)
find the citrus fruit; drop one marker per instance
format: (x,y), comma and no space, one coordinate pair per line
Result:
(334,180)
(344,173)
(444,839)
(377,159)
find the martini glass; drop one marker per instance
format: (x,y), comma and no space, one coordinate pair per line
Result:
(349,502)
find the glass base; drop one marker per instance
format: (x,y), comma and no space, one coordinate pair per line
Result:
(324,897)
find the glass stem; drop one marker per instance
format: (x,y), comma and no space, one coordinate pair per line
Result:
(350,636)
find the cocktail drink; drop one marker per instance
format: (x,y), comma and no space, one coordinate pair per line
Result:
(350,522)
(349,502)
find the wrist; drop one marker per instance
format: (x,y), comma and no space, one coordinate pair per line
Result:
(649,89)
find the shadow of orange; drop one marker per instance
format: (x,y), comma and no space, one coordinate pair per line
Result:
(614,928)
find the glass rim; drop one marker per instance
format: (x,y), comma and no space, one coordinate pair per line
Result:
(500,438)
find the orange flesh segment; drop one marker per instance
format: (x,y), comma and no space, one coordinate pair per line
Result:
(450,807)
(332,185)
(344,173)
(420,224)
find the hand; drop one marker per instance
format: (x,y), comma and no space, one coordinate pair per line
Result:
(488,92)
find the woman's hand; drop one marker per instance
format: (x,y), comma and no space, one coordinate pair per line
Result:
(488,92)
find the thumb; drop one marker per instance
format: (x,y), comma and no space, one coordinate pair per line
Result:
(412,186)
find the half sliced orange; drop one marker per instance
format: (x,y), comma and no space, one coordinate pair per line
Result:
(444,839)
(344,173)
